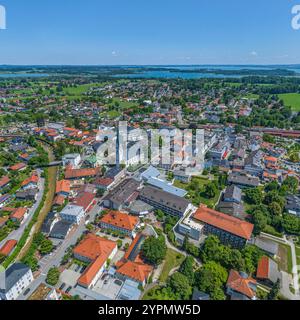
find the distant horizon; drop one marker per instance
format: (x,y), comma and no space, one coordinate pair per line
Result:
(151,65)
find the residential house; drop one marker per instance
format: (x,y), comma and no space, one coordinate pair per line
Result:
(243,181)
(8,247)
(4,182)
(241,287)
(14,281)
(61,229)
(63,188)
(19,215)
(30,194)
(31,182)
(72,159)
(72,213)
(18,167)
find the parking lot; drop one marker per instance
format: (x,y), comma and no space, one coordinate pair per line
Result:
(108,286)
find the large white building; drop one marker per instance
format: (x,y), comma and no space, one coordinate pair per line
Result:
(72,159)
(14,281)
(72,213)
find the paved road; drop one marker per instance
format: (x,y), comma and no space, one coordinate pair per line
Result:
(17,234)
(55,258)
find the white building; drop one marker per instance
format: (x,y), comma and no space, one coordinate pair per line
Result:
(14,281)
(72,213)
(73,159)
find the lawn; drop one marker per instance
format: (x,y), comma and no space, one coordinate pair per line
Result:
(291,100)
(298,255)
(197,196)
(173,260)
(285,255)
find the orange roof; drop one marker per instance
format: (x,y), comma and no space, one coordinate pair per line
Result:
(33,179)
(96,249)
(269,175)
(18,214)
(238,283)
(4,181)
(18,166)
(263,268)
(8,247)
(104,181)
(81,173)
(59,200)
(272,159)
(225,222)
(135,270)
(121,220)
(63,186)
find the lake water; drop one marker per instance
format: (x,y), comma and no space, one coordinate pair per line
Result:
(187,75)
(23,75)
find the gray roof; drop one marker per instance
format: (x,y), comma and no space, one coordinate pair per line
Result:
(61,228)
(123,191)
(243,180)
(150,172)
(233,209)
(165,198)
(233,192)
(267,245)
(12,275)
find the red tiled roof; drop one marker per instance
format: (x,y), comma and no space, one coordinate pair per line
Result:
(32,179)
(59,200)
(272,159)
(18,214)
(121,220)
(135,270)
(263,268)
(4,181)
(238,283)
(84,200)
(63,186)
(81,173)
(96,249)
(104,181)
(8,247)
(225,222)
(18,166)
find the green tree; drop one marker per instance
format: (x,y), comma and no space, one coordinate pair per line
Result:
(260,221)
(180,286)
(292,184)
(187,268)
(154,249)
(53,276)
(254,196)
(210,190)
(211,279)
(46,247)
(273,294)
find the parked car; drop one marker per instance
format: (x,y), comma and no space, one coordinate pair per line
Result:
(62,286)
(26,291)
(69,289)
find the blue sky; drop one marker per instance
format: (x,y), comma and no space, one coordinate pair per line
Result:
(149,32)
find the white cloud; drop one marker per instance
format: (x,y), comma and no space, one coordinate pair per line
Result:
(114,53)
(254,53)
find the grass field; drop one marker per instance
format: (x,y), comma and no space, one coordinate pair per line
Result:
(285,255)
(291,100)
(173,260)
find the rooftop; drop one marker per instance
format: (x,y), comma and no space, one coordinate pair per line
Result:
(225,222)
